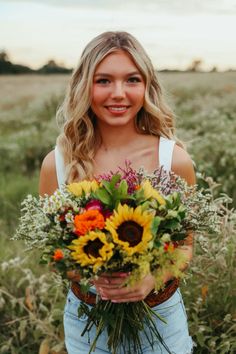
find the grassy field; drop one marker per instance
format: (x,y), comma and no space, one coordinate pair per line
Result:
(32,297)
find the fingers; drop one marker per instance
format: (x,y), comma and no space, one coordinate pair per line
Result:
(122,294)
(111,281)
(137,292)
(115,275)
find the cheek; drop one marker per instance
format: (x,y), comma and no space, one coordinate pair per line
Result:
(98,97)
(138,96)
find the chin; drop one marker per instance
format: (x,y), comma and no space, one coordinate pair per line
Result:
(118,121)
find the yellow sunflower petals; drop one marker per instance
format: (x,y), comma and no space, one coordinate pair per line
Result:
(78,188)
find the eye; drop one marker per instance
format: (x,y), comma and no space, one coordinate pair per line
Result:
(134,79)
(102,81)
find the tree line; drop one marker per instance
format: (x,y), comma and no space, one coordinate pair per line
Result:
(51,67)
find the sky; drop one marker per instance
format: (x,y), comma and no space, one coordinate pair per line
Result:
(173,32)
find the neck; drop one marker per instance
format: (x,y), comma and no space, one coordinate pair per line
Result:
(114,138)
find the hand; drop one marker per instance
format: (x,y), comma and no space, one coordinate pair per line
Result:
(111,287)
(110,280)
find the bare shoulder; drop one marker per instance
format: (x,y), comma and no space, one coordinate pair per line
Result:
(48,176)
(182,165)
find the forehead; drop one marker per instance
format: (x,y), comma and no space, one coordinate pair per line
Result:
(118,61)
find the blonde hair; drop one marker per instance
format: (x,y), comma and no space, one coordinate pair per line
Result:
(78,142)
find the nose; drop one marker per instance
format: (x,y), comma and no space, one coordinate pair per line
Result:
(118,91)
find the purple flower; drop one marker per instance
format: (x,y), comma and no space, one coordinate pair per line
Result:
(128,174)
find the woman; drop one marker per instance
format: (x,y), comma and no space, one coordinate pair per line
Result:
(114,110)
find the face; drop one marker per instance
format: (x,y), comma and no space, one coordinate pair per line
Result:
(118,90)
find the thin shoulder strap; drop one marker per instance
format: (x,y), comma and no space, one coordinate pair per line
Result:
(60,167)
(166,148)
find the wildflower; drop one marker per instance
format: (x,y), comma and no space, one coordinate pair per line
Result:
(58,255)
(88,221)
(169,247)
(94,204)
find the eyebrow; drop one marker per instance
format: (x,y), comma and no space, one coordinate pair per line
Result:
(109,75)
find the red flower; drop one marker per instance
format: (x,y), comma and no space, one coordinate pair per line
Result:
(94,204)
(168,246)
(58,255)
(62,217)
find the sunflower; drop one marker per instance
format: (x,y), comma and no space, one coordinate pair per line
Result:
(83,187)
(150,192)
(92,249)
(89,220)
(130,228)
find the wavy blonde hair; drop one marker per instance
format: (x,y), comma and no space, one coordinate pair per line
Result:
(78,142)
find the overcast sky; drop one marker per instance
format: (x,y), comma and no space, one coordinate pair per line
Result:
(174,32)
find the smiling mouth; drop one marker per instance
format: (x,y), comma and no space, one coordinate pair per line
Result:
(116,109)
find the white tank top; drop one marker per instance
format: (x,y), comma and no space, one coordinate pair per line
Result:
(166,148)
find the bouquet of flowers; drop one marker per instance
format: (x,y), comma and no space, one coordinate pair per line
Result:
(126,221)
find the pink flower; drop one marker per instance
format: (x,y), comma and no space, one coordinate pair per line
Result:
(94,204)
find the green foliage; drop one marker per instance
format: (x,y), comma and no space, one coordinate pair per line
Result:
(13,189)
(210,292)
(24,143)
(206,119)
(31,308)
(113,192)
(31,298)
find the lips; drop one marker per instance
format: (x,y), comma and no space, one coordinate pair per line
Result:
(117,109)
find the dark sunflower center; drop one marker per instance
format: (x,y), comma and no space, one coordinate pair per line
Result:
(92,248)
(131,232)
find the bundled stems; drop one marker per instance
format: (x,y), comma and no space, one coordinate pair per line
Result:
(123,322)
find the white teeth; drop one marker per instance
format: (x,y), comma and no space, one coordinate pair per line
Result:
(117,108)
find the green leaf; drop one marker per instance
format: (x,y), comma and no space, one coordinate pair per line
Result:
(115,179)
(107,185)
(157,244)
(155,224)
(145,205)
(178,237)
(139,196)
(104,196)
(171,224)
(123,188)
(200,339)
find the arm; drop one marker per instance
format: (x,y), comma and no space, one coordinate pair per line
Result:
(48,177)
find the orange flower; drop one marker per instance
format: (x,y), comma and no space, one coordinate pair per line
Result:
(58,255)
(137,187)
(204,291)
(88,221)
(169,247)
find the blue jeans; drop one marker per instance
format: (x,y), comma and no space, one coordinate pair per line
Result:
(174,333)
